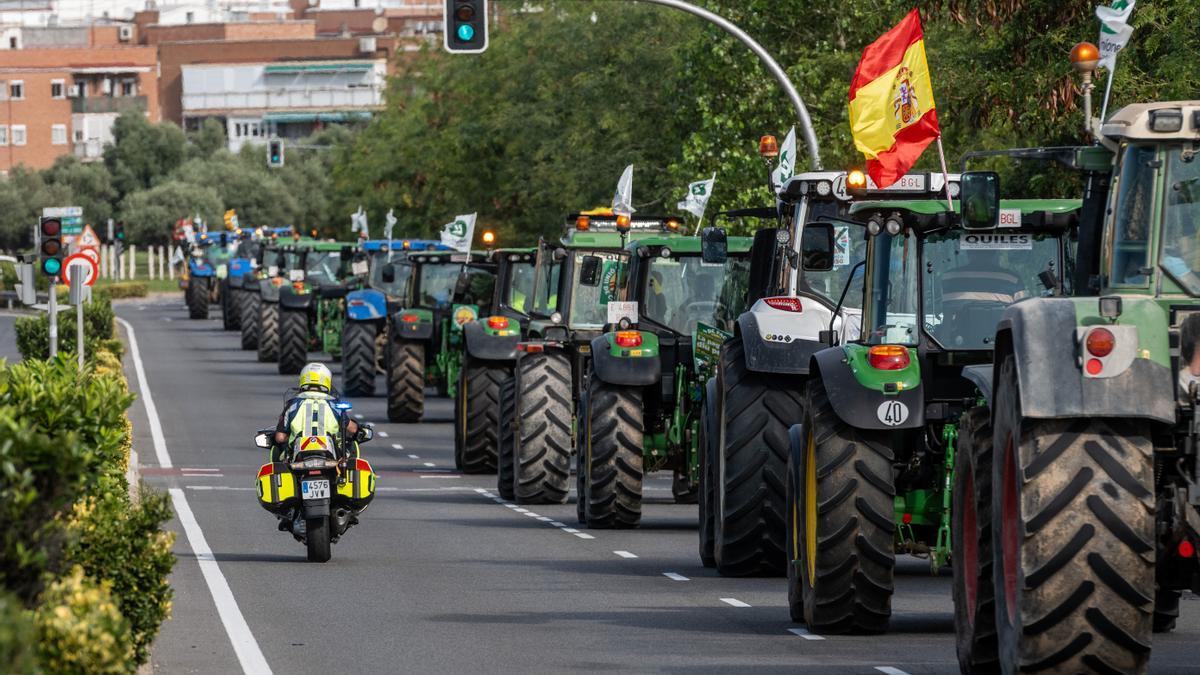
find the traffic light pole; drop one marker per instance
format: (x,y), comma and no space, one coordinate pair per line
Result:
(52,308)
(806,126)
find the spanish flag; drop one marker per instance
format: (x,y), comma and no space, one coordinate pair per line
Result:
(892,115)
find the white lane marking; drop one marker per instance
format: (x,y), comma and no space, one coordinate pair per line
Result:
(443,475)
(734,602)
(675,577)
(557,524)
(890,670)
(537,516)
(249,654)
(383,434)
(188,468)
(625,554)
(228,487)
(805,634)
(187,474)
(520,510)
(570,530)
(244,645)
(531,514)
(156,432)
(429,464)
(397,446)
(545,519)
(412,456)
(165,318)
(358,416)
(512,506)
(583,535)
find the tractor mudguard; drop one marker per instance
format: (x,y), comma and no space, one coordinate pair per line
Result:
(290,299)
(421,329)
(1041,334)
(863,407)
(239,267)
(771,353)
(365,305)
(622,366)
(250,283)
(268,291)
(490,345)
(332,292)
(200,269)
(981,377)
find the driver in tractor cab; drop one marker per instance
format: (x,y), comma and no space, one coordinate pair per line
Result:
(312,413)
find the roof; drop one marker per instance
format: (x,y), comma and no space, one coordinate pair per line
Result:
(691,245)
(1133,122)
(933,206)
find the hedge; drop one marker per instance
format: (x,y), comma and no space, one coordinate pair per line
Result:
(33,332)
(125,289)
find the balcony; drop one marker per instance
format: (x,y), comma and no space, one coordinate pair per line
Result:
(108,104)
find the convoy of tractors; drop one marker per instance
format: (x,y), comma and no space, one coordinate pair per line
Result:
(959,367)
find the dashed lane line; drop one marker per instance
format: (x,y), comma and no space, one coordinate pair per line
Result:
(734,602)
(413,457)
(674,576)
(890,670)
(805,634)
(625,554)
(397,446)
(531,514)
(430,464)
(383,434)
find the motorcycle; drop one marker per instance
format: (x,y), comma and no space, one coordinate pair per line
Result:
(320,489)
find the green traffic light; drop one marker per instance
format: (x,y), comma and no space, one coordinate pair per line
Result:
(51,266)
(466,32)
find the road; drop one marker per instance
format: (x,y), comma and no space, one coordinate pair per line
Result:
(442,575)
(8,338)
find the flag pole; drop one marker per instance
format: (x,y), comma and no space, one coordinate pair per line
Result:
(945,173)
(1112,71)
(698,221)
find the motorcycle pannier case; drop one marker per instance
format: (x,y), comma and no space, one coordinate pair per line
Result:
(359,487)
(276,487)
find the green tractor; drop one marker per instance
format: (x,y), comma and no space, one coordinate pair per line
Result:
(575,280)
(489,352)
(311,310)
(640,411)
(1086,456)
(448,289)
(871,466)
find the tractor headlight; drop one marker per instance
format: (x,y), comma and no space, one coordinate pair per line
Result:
(824,188)
(893,224)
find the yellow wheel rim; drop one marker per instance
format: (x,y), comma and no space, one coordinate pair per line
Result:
(810,506)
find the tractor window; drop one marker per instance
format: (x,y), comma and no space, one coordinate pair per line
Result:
(520,286)
(971,277)
(476,287)
(1181,221)
(1135,201)
(681,292)
(437,284)
(398,287)
(893,280)
(321,267)
(589,304)
(216,254)
(546,294)
(850,247)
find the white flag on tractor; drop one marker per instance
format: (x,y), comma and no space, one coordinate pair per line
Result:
(389,225)
(1114,30)
(787,161)
(696,199)
(358,223)
(459,233)
(622,203)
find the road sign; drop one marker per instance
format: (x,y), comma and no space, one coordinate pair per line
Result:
(92,253)
(71,217)
(85,261)
(88,238)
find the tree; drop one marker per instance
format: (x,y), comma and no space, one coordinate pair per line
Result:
(142,154)
(150,214)
(207,140)
(89,185)
(259,197)
(23,195)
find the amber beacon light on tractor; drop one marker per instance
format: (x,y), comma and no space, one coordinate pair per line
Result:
(466,23)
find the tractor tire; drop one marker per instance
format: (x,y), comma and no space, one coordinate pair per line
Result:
(756,411)
(708,463)
(613,456)
(478,402)
(1166,610)
(580,469)
(504,437)
(268,331)
(230,307)
(543,439)
(317,539)
(197,298)
(405,380)
(251,302)
(684,490)
(841,521)
(358,358)
(1074,550)
(971,539)
(293,341)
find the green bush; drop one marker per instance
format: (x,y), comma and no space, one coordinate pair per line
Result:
(33,333)
(125,289)
(16,637)
(80,628)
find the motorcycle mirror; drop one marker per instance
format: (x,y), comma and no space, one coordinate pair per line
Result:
(389,274)
(262,440)
(589,271)
(366,432)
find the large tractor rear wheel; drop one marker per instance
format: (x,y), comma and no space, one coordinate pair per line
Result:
(756,411)
(543,441)
(613,455)
(504,437)
(1075,547)
(405,380)
(358,358)
(841,523)
(230,306)
(971,538)
(268,332)
(293,340)
(478,403)
(250,315)
(197,298)
(708,463)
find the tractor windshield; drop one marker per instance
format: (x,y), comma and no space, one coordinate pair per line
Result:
(1181,221)
(546,294)
(680,292)
(398,286)
(892,281)
(589,304)
(1134,205)
(520,286)
(475,287)
(437,283)
(321,267)
(850,247)
(216,254)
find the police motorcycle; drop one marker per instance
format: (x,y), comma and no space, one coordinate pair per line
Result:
(321,487)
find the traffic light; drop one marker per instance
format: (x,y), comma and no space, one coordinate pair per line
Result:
(466,26)
(275,153)
(50,247)
(119,231)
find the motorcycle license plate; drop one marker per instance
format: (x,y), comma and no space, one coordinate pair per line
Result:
(314,489)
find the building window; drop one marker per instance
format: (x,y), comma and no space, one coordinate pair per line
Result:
(3,90)
(13,43)
(80,89)
(58,134)
(3,134)
(58,89)
(189,17)
(18,134)
(79,135)
(16,90)
(129,87)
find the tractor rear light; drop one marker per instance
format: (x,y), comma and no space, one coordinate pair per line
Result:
(785,303)
(1185,549)
(409,318)
(888,357)
(1094,366)
(531,348)
(906,519)
(497,322)
(629,338)
(1100,342)
(356,303)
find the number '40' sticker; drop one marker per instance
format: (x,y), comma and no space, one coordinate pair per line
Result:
(892,413)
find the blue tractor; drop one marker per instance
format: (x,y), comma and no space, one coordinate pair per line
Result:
(206,256)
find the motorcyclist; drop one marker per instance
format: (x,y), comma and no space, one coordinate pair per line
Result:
(312,413)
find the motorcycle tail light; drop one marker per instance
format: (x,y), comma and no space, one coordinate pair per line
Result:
(629,338)
(497,322)
(785,303)
(888,357)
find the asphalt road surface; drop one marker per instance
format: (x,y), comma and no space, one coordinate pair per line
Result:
(442,575)
(8,338)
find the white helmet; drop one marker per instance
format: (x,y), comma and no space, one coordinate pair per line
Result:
(316,376)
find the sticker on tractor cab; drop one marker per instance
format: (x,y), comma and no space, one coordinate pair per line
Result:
(841,246)
(706,346)
(358,267)
(1010,218)
(295,275)
(608,281)
(995,242)
(622,310)
(273,270)
(464,314)
(892,413)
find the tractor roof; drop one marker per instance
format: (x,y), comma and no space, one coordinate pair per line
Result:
(935,206)
(691,245)
(1178,121)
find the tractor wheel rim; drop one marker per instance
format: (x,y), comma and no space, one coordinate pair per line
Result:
(1009,540)
(810,507)
(970,548)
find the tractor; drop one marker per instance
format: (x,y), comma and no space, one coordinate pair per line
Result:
(575,280)
(241,264)
(311,310)
(206,268)
(265,246)
(640,411)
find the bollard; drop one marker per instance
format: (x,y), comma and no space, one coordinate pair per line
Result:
(171,268)
(150,263)
(162,253)
(132,262)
